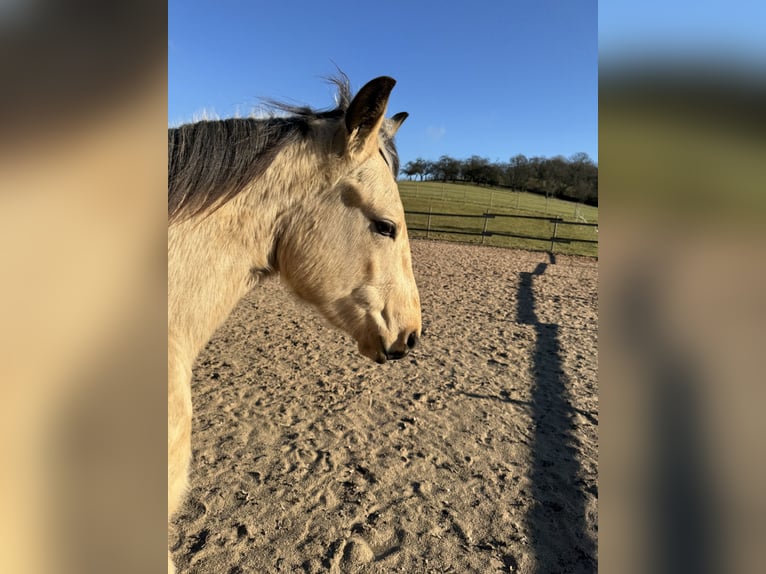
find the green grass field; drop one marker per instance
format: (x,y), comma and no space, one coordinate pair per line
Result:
(466,199)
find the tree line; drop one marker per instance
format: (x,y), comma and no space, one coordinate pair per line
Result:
(574,178)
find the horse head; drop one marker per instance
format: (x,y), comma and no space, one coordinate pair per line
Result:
(347,251)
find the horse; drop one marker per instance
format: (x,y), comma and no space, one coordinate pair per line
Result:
(308,195)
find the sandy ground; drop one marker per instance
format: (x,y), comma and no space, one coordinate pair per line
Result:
(477,453)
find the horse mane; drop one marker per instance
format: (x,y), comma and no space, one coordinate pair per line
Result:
(210,162)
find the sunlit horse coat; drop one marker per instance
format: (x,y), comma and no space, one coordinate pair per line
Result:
(311,196)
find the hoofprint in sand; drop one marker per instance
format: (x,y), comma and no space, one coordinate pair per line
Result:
(477,453)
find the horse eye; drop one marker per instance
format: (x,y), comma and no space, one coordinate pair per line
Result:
(385,228)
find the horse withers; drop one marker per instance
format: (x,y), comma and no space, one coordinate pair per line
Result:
(309,195)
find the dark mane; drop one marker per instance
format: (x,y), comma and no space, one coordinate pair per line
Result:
(210,162)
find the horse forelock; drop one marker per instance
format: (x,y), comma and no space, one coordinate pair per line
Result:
(390,154)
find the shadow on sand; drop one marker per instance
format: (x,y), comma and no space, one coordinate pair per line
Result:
(557,527)
(681,500)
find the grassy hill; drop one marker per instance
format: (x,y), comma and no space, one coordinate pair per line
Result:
(467,199)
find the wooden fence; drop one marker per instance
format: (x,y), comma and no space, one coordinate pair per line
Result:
(553,237)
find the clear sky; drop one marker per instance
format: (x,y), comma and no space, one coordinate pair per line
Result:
(702,29)
(492,78)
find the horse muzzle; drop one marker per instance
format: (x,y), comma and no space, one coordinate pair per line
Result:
(400,349)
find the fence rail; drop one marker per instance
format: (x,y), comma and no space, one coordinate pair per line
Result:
(553,238)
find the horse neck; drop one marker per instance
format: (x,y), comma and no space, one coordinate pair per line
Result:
(216,258)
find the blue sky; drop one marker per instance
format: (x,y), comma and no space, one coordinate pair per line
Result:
(683,30)
(490,78)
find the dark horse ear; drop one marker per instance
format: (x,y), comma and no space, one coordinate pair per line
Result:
(365,115)
(399,118)
(392,125)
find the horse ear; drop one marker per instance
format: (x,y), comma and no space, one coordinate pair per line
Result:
(365,115)
(398,120)
(393,124)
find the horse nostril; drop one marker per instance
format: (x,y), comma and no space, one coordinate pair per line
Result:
(412,340)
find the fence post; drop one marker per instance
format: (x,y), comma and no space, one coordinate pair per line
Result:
(428,227)
(555,229)
(484,231)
